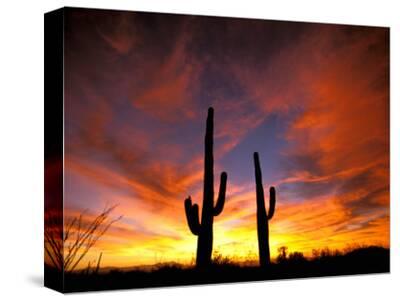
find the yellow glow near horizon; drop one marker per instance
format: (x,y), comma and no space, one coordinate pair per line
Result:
(239,241)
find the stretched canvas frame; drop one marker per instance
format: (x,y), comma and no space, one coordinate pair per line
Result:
(146,114)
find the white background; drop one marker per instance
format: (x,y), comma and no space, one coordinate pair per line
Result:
(21,149)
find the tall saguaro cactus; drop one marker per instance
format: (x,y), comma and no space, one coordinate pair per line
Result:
(204,231)
(262,216)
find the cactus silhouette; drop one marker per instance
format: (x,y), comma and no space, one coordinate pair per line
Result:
(204,231)
(262,216)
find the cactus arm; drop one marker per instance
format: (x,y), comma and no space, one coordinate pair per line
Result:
(221,195)
(192,216)
(272,201)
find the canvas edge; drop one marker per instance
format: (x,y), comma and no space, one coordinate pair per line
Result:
(53,130)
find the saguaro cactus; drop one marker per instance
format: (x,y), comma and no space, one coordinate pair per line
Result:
(262,216)
(204,231)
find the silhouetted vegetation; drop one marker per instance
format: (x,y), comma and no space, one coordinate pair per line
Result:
(204,230)
(262,216)
(364,260)
(282,254)
(67,246)
(290,258)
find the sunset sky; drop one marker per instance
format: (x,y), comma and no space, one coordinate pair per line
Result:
(312,99)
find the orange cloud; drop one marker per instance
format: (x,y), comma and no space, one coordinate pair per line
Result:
(342,137)
(170,86)
(122,36)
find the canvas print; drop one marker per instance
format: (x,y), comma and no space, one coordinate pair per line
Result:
(185,149)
